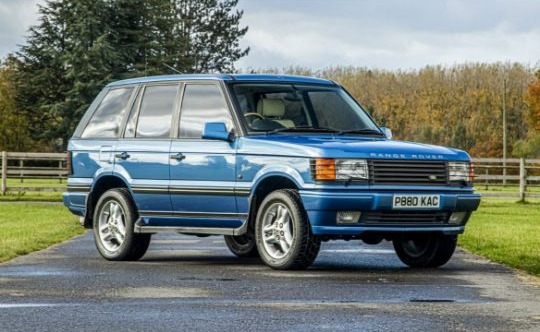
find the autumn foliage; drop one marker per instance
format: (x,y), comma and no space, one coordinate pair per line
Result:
(458,106)
(533,99)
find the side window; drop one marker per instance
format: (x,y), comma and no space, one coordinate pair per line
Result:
(156,111)
(202,103)
(107,119)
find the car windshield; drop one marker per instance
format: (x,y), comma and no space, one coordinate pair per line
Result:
(273,108)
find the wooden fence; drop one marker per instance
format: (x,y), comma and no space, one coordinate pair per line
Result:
(491,173)
(500,173)
(32,165)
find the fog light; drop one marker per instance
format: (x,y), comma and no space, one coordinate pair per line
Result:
(347,217)
(457,218)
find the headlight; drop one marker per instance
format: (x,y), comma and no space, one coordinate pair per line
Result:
(461,171)
(351,169)
(339,169)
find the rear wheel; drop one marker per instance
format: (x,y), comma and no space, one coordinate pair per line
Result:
(114,220)
(426,250)
(242,245)
(283,232)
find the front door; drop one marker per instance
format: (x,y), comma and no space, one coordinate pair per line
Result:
(202,170)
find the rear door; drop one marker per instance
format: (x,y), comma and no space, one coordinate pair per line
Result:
(142,156)
(203,170)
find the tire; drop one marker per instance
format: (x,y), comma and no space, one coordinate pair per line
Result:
(243,245)
(116,241)
(425,251)
(283,232)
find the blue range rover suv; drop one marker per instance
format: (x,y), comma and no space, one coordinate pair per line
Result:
(275,163)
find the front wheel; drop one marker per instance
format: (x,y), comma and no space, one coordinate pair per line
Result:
(283,232)
(114,219)
(425,250)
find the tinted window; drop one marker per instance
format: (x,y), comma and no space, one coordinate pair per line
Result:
(202,103)
(107,118)
(155,116)
(270,107)
(334,110)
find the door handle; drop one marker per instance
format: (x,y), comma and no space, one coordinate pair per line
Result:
(178,156)
(123,155)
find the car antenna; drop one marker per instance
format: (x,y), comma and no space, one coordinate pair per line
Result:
(171,68)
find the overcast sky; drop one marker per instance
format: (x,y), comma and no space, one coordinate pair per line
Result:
(373,33)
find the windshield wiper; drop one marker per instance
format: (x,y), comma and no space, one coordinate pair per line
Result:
(302,128)
(365,131)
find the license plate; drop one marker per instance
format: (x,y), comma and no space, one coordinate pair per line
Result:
(416,202)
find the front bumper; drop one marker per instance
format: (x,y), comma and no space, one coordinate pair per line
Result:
(322,207)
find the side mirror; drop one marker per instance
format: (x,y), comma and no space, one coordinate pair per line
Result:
(387,132)
(217,130)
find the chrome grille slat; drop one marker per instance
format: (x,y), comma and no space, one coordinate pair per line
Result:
(408,172)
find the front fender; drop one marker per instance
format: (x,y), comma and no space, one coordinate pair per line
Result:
(278,170)
(254,169)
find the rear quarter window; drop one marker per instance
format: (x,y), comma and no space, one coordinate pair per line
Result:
(107,119)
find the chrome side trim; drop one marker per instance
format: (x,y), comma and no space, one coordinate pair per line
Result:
(150,190)
(211,215)
(201,191)
(78,188)
(176,190)
(242,192)
(141,229)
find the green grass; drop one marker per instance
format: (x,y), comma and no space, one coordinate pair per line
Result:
(29,227)
(31,197)
(23,195)
(506,232)
(36,183)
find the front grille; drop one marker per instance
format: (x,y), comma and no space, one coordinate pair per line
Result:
(405,217)
(408,172)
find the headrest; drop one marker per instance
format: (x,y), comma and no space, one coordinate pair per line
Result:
(271,107)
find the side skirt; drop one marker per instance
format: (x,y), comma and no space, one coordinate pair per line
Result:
(140,228)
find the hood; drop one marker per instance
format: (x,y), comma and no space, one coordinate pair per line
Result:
(329,146)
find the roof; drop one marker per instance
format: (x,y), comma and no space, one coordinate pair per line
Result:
(226,77)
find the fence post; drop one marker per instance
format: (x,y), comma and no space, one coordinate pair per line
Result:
(4,172)
(21,167)
(522,179)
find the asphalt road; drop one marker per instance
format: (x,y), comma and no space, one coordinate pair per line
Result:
(195,284)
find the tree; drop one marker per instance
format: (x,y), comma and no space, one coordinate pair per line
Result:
(68,58)
(81,45)
(533,100)
(10,120)
(530,147)
(190,36)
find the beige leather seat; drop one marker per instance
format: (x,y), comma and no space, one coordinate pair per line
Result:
(274,109)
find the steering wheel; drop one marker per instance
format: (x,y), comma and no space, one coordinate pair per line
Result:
(253,114)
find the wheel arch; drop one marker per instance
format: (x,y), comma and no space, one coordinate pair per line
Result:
(101,185)
(271,182)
